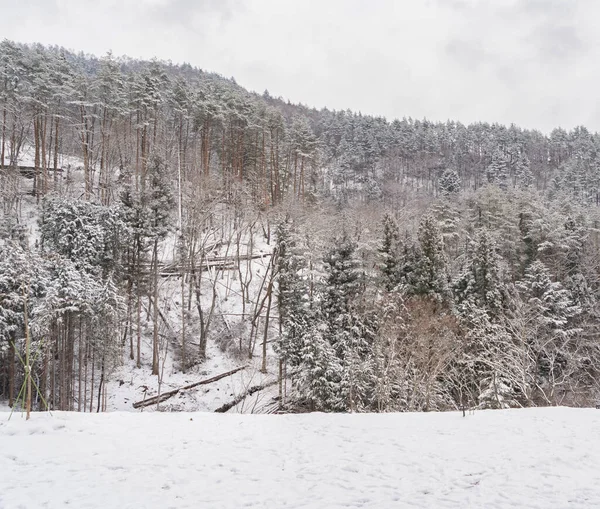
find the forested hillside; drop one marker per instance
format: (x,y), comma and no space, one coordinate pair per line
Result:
(366,264)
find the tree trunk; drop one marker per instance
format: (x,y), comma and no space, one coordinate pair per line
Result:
(266,333)
(85,150)
(55,162)
(3,142)
(155,366)
(36,137)
(100,386)
(43,154)
(27,359)
(11,370)
(80,368)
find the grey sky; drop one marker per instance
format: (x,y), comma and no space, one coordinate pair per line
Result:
(531,62)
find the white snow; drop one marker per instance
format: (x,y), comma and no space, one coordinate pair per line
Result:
(534,458)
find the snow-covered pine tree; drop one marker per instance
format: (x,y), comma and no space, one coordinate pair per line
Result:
(22,286)
(342,353)
(552,309)
(430,276)
(340,290)
(294,312)
(522,171)
(482,282)
(159,203)
(147,213)
(69,316)
(389,251)
(488,369)
(321,371)
(341,287)
(498,169)
(92,236)
(449,183)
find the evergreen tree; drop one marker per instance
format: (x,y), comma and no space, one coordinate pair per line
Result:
(389,253)
(294,312)
(92,236)
(320,375)
(497,171)
(489,366)
(449,183)
(522,170)
(23,283)
(552,310)
(552,302)
(341,287)
(482,283)
(345,337)
(430,276)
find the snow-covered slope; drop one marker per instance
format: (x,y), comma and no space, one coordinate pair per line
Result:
(538,458)
(125,383)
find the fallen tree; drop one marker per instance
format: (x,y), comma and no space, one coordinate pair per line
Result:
(159,398)
(241,397)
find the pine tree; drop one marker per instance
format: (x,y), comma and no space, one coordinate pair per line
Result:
(552,302)
(147,214)
(90,235)
(342,285)
(430,275)
(294,313)
(449,183)
(22,286)
(389,253)
(345,335)
(573,243)
(489,365)
(552,309)
(320,375)
(482,282)
(497,171)
(522,170)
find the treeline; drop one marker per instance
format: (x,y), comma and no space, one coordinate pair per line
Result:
(463,270)
(114,113)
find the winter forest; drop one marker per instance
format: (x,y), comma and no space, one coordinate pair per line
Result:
(156,217)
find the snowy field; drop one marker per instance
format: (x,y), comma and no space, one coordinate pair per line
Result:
(542,458)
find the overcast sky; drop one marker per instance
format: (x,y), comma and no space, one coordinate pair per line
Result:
(535,63)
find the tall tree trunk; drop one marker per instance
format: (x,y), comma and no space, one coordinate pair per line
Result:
(43,154)
(11,370)
(85,150)
(85,375)
(36,137)
(266,333)
(139,331)
(27,359)
(80,367)
(43,379)
(56,146)
(3,141)
(92,380)
(100,386)
(155,367)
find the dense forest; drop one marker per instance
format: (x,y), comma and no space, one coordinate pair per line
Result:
(413,265)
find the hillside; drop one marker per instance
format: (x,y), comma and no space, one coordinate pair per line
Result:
(161,226)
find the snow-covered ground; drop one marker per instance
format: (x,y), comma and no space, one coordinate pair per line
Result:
(538,458)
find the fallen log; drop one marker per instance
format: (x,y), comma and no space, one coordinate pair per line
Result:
(241,397)
(159,398)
